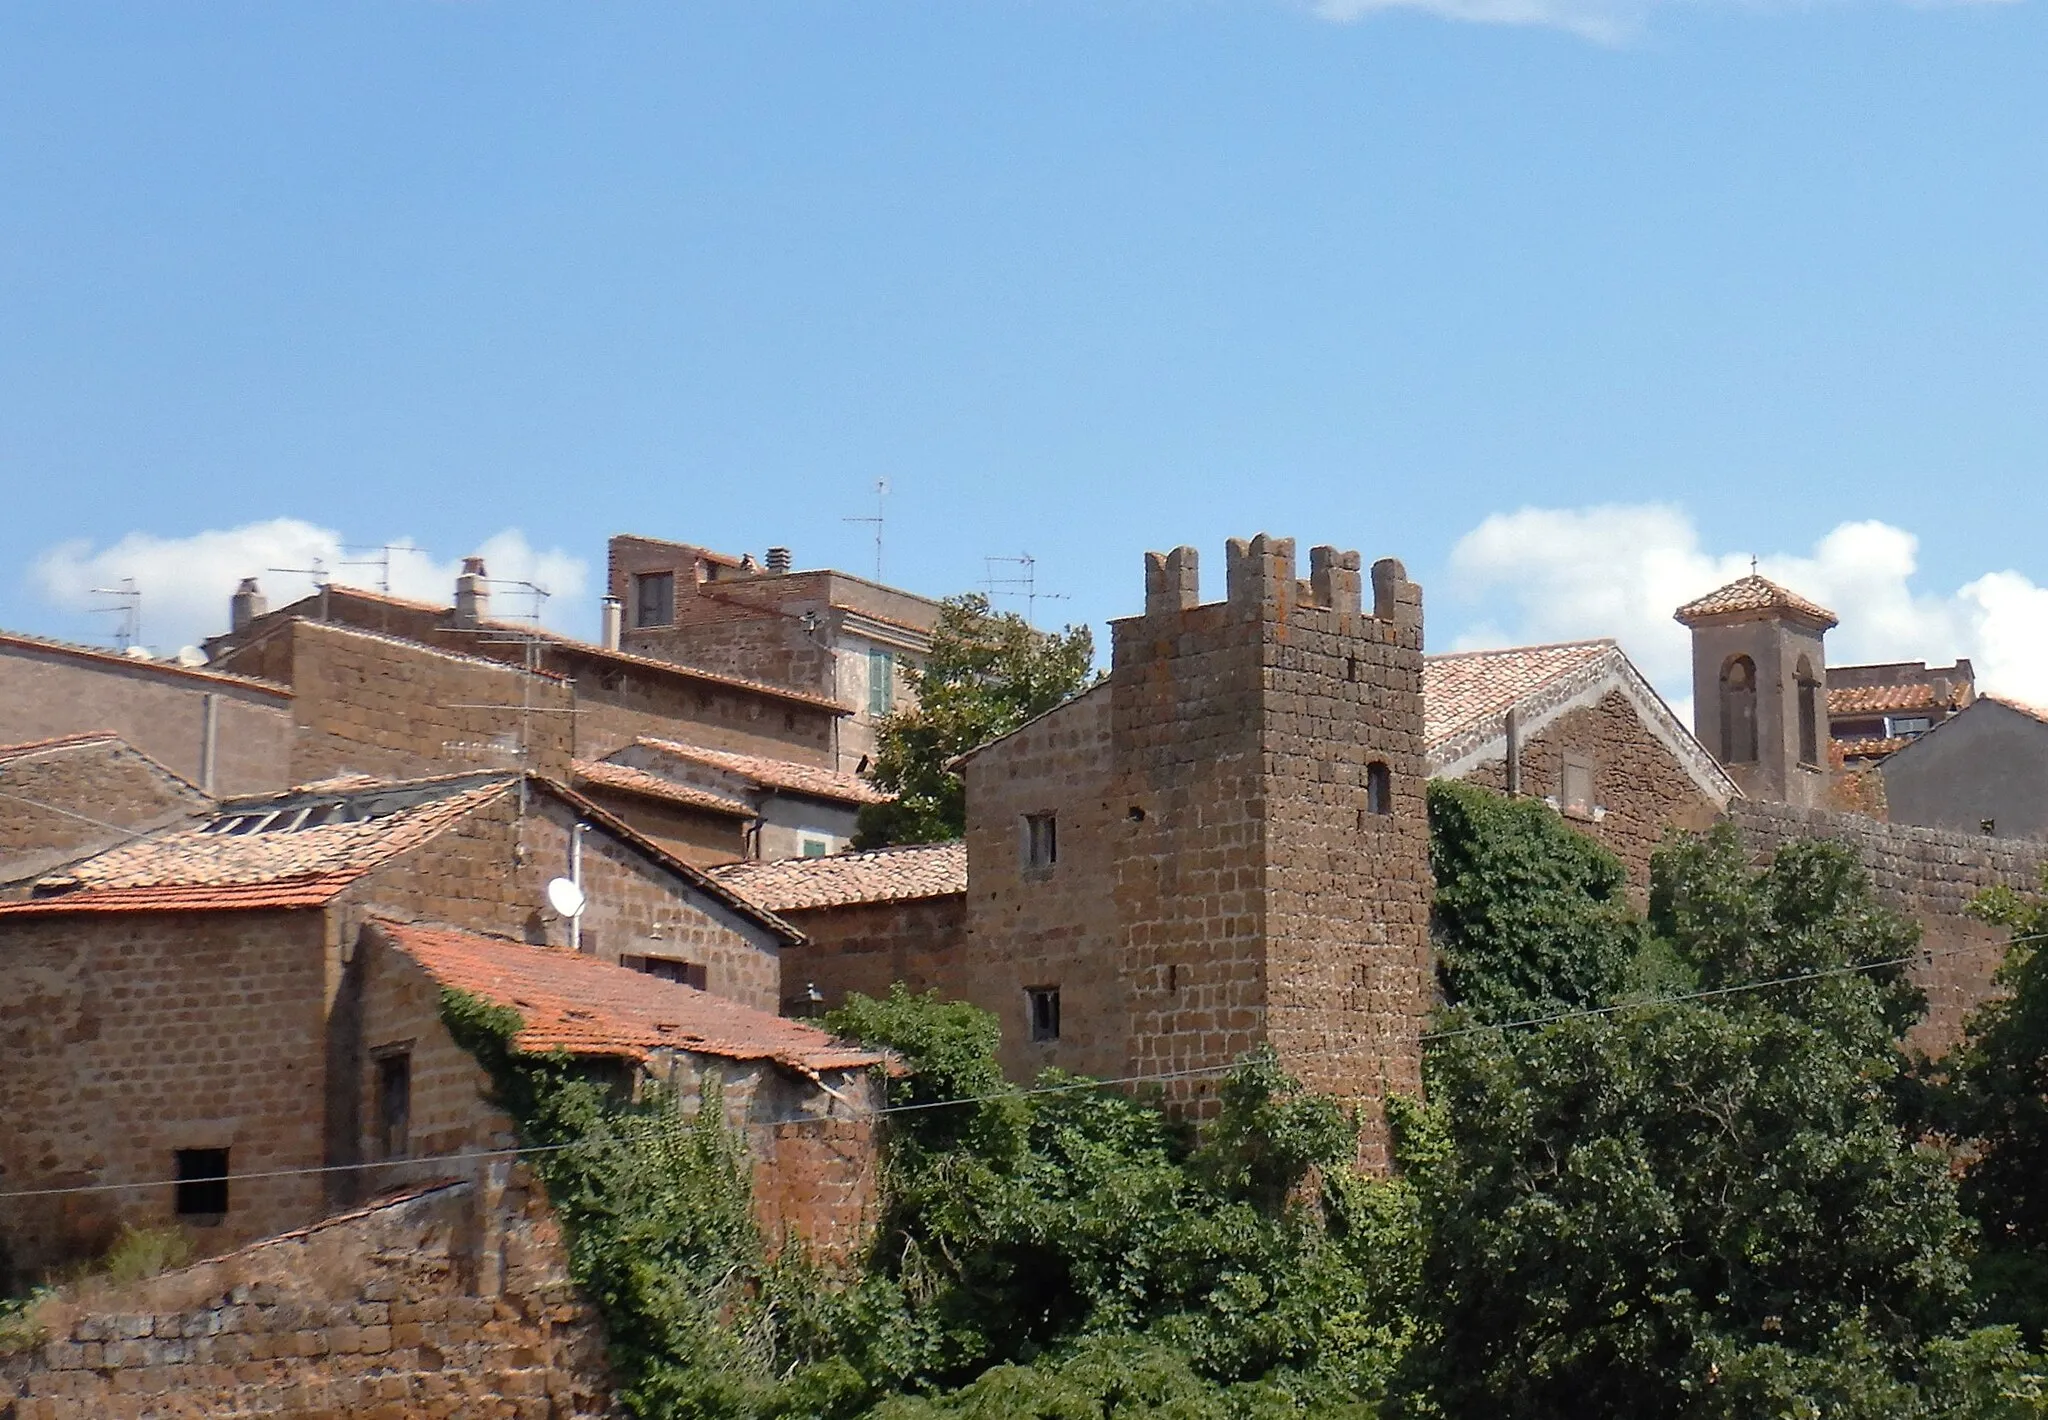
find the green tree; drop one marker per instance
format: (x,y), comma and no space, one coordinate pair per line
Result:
(1701,1207)
(1532,916)
(987,673)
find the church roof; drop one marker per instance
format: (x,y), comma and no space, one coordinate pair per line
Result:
(1753,593)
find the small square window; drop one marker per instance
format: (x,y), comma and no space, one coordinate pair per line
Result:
(654,599)
(814,847)
(202,1183)
(394,1103)
(1041,840)
(1042,1007)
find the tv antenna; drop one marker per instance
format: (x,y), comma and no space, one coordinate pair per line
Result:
(126,608)
(382,561)
(1021,583)
(318,571)
(881,492)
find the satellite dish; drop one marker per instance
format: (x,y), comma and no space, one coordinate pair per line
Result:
(565,897)
(191,657)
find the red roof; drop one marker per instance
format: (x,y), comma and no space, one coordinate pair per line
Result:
(1878,699)
(1463,688)
(582,1006)
(625,779)
(900,874)
(1752,593)
(152,666)
(783,774)
(315,891)
(90,737)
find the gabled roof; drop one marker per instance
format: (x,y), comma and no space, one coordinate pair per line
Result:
(56,742)
(1753,594)
(574,1003)
(1466,696)
(114,660)
(2032,712)
(785,775)
(625,779)
(903,874)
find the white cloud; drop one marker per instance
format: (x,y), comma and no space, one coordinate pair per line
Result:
(185,582)
(1552,574)
(1602,21)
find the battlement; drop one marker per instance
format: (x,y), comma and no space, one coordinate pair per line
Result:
(1260,582)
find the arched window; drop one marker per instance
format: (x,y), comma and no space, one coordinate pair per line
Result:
(1379,788)
(1738,711)
(1809,713)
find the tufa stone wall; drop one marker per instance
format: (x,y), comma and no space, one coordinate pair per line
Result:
(49,689)
(450,1302)
(132,1036)
(697,836)
(868,947)
(1641,790)
(1930,874)
(70,801)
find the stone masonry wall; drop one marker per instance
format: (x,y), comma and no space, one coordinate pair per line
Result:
(129,1036)
(452,1303)
(1636,782)
(490,872)
(48,690)
(699,838)
(1053,926)
(868,947)
(1931,874)
(56,805)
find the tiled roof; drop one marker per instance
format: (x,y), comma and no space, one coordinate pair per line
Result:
(1878,699)
(314,891)
(842,879)
(781,774)
(1463,688)
(1752,593)
(1872,748)
(625,779)
(577,1004)
(335,853)
(2034,712)
(172,669)
(91,737)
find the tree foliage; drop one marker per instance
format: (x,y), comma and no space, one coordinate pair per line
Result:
(987,673)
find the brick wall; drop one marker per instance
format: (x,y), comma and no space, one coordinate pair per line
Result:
(48,690)
(454,1302)
(490,872)
(127,1037)
(1931,874)
(1640,787)
(868,947)
(61,800)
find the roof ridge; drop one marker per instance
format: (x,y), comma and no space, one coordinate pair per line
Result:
(1588,641)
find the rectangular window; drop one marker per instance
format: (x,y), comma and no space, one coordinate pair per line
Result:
(686,973)
(202,1182)
(1575,793)
(1041,840)
(1042,1006)
(881,683)
(1901,725)
(1809,722)
(654,599)
(814,847)
(394,1103)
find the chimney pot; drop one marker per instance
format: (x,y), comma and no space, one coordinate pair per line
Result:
(472,593)
(614,619)
(246,605)
(778,559)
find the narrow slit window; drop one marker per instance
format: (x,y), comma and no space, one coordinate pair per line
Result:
(394,1103)
(1809,714)
(1041,840)
(881,683)
(1379,788)
(202,1182)
(1042,1005)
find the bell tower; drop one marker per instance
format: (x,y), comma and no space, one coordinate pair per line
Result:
(1759,683)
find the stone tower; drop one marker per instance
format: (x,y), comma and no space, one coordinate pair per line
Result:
(1759,681)
(1271,866)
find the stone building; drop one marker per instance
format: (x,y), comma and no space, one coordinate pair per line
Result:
(799,810)
(226,734)
(835,635)
(184,1000)
(1981,769)
(1876,710)
(77,795)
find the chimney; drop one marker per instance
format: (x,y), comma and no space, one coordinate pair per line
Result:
(246,605)
(472,593)
(778,559)
(614,618)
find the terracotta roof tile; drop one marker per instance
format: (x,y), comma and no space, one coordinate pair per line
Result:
(577,1004)
(1462,688)
(1752,593)
(843,879)
(2035,712)
(625,779)
(1877,699)
(171,669)
(90,737)
(344,851)
(315,890)
(1872,748)
(781,774)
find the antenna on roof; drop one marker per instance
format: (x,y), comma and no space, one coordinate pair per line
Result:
(127,607)
(382,561)
(881,492)
(318,571)
(1752,564)
(1023,584)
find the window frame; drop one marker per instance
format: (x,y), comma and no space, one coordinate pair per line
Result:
(1042,1014)
(881,682)
(642,583)
(1039,842)
(394,1136)
(198,1185)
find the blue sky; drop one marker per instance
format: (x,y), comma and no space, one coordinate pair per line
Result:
(1572,312)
